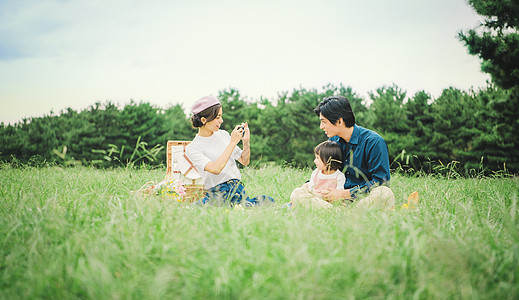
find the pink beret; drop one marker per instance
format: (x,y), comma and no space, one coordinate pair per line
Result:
(203,103)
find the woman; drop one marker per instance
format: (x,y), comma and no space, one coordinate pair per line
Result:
(214,153)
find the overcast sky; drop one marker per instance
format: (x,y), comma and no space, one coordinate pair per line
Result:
(58,54)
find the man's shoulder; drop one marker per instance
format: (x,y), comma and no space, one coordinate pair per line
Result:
(370,135)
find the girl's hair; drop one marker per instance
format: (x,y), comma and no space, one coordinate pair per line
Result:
(331,154)
(209,113)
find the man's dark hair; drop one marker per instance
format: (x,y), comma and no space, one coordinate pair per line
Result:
(334,108)
(331,154)
(209,113)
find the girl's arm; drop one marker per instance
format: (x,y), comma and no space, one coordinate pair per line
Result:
(339,193)
(215,167)
(311,183)
(341,180)
(245,155)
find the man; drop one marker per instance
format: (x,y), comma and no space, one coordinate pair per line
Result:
(365,155)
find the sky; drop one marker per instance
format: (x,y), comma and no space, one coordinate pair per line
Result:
(56,54)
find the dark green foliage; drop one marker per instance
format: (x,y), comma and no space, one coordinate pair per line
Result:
(82,137)
(10,141)
(175,125)
(420,121)
(454,125)
(388,117)
(466,127)
(387,108)
(235,108)
(499,124)
(496,42)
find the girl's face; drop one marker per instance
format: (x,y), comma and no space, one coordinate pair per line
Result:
(215,124)
(321,166)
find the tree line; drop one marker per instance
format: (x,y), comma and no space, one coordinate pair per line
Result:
(469,130)
(467,127)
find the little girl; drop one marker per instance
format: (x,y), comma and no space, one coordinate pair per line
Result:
(325,177)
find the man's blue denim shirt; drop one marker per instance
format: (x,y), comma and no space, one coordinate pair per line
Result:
(365,160)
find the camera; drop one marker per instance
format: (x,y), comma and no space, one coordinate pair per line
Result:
(243,128)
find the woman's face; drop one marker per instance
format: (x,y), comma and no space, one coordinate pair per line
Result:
(215,124)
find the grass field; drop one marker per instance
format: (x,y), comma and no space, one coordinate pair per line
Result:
(80,233)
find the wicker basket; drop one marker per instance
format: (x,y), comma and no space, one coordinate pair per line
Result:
(194,192)
(194,187)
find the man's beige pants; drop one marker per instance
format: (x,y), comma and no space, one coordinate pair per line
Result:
(379,197)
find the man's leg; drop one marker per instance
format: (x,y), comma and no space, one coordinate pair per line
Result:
(379,197)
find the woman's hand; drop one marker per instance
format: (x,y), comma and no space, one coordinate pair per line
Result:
(240,132)
(237,134)
(246,135)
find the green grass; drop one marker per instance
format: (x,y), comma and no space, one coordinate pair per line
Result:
(80,233)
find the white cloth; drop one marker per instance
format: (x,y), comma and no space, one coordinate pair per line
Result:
(323,181)
(180,164)
(203,150)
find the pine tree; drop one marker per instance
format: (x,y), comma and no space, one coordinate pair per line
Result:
(389,117)
(496,42)
(417,143)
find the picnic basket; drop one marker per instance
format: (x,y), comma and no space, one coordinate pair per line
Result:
(180,168)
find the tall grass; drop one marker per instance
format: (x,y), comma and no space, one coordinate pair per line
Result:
(77,233)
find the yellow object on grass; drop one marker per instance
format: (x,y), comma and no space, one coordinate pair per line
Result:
(412,201)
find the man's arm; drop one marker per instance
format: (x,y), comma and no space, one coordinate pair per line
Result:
(378,166)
